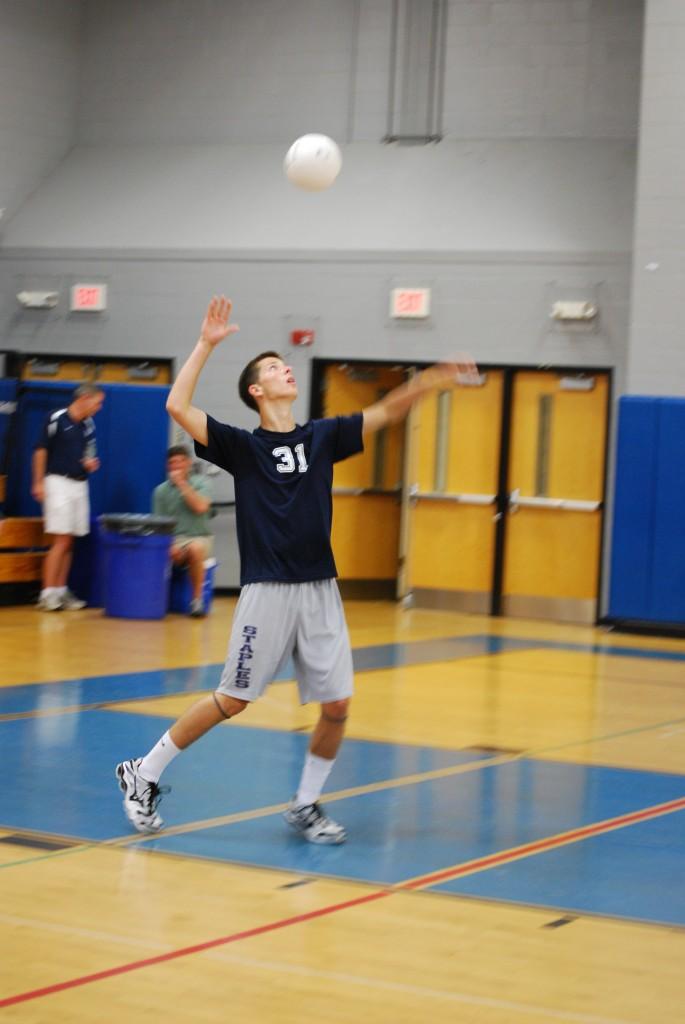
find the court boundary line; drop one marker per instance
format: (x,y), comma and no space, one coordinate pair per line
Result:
(410,885)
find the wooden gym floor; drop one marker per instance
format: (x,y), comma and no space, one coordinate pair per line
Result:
(514,794)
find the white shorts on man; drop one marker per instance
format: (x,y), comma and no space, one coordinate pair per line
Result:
(274,622)
(66,506)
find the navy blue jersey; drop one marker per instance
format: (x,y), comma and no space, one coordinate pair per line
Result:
(67,442)
(284,507)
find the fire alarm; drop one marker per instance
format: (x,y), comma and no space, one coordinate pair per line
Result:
(302,337)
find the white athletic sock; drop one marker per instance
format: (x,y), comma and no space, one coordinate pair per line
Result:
(161,755)
(61,591)
(314,774)
(47,591)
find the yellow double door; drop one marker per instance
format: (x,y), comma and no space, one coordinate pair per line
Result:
(490,498)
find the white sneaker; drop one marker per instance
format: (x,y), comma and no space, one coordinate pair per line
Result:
(140,797)
(313,825)
(50,603)
(72,603)
(197,608)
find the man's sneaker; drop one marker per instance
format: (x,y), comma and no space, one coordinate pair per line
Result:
(197,608)
(311,822)
(50,603)
(140,797)
(72,603)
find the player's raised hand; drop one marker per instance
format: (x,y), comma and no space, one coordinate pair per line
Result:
(467,370)
(216,326)
(396,404)
(460,370)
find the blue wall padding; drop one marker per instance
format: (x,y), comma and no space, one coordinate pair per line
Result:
(135,446)
(667,594)
(132,436)
(648,539)
(631,550)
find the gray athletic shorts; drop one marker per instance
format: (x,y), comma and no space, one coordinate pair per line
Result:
(277,621)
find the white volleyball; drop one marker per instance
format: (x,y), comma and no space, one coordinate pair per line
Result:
(313,162)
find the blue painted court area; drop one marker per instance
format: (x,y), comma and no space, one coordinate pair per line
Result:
(414,830)
(111,689)
(64,770)
(107,689)
(63,744)
(634,872)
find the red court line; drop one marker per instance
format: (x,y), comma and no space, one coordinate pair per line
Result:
(540,845)
(480,864)
(201,947)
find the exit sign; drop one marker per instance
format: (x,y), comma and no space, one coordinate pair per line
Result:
(88,298)
(410,303)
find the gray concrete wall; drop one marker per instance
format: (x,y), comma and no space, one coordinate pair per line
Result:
(166,71)
(39,75)
(239,71)
(657,337)
(572,195)
(543,68)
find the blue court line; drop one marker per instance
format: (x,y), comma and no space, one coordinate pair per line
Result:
(110,689)
(600,648)
(126,686)
(420,652)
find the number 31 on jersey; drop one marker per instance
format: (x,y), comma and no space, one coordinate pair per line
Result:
(287,460)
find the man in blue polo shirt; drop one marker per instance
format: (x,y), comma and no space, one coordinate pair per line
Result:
(289,606)
(63,458)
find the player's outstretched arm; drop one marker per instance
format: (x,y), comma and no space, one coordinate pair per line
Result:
(215,327)
(394,406)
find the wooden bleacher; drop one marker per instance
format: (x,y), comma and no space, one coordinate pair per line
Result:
(22,549)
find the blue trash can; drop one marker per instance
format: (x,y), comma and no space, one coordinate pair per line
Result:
(137,566)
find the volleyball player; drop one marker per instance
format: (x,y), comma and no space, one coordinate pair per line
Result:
(289,605)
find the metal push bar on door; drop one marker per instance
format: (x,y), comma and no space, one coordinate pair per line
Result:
(517,501)
(458,499)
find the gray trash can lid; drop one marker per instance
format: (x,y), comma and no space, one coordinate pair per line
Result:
(140,525)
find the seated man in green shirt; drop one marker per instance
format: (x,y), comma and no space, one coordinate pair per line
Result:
(185,497)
